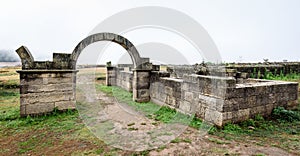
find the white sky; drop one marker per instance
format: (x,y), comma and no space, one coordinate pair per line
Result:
(247,30)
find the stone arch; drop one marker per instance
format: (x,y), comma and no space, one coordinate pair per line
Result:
(138,62)
(45,85)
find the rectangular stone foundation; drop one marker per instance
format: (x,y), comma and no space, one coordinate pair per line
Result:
(213,98)
(43,90)
(220,100)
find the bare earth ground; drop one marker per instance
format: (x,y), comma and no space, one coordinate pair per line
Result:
(192,142)
(78,140)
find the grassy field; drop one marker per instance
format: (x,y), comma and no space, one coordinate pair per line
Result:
(64,133)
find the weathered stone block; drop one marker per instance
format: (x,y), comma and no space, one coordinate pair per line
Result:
(214,117)
(189,96)
(64,105)
(269,108)
(243,114)
(185,106)
(39,108)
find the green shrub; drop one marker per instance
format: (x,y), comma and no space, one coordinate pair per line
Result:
(282,114)
(232,128)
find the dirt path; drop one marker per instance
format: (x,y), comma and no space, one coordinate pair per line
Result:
(122,127)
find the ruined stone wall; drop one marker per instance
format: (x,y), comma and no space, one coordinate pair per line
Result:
(43,90)
(220,100)
(258,70)
(124,79)
(258,97)
(179,70)
(45,85)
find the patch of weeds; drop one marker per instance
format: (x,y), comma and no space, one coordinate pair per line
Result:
(160,148)
(99,151)
(165,114)
(10,84)
(187,140)
(143,153)
(132,129)
(232,128)
(10,114)
(5,93)
(176,140)
(106,89)
(196,123)
(260,154)
(131,124)
(285,77)
(212,130)
(281,114)
(154,123)
(143,123)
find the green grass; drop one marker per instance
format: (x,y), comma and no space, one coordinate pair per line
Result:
(292,76)
(177,140)
(163,114)
(282,130)
(9,84)
(36,135)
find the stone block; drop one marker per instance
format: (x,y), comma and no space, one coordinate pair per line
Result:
(293,104)
(227,116)
(243,114)
(143,84)
(185,106)
(257,110)
(269,108)
(39,108)
(214,117)
(168,90)
(64,105)
(189,96)
(250,102)
(23,109)
(141,95)
(200,112)
(232,104)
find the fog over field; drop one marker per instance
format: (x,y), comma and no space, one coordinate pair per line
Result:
(8,56)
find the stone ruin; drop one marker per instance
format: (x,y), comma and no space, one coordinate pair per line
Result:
(218,99)
(45,85)
(211,92)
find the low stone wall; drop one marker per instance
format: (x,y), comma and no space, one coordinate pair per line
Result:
(220,100)
(258,97)
(136,81)
(258,70)
(43,90)
(124,80)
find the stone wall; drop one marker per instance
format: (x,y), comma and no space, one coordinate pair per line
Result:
(258,97)
(220,100)
(124,79)
(42,91)
(111,74)
(136,81)
(258,70)
(46,85)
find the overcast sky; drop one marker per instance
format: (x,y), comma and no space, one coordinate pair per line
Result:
(243,30)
